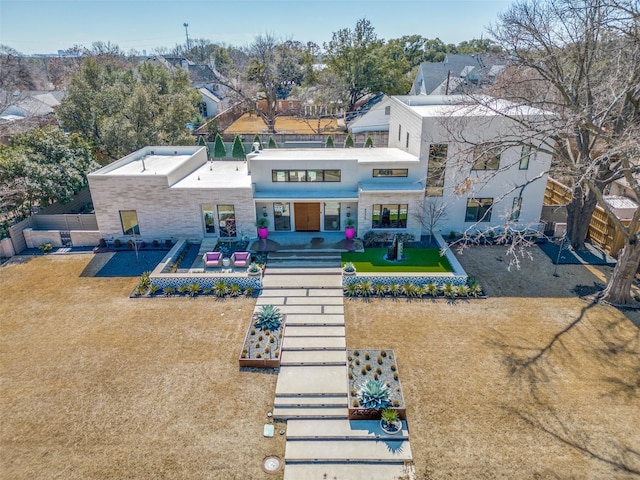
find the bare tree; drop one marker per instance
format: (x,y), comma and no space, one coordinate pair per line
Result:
(434,212)
(578,59)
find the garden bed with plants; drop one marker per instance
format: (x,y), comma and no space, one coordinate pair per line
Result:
(374,384)
(222,288)
(262,343)
(410,290)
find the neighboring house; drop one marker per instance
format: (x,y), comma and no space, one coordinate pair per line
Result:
(162,192)
(204,78)
(456,74)
(22,105)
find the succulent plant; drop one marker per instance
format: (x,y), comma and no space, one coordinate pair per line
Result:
(349,267)
(268,318)
(374,394)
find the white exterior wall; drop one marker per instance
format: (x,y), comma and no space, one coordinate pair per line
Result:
(164,212)
(503,185)
(414,201)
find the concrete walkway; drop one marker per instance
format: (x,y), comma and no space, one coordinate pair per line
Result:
(311,391)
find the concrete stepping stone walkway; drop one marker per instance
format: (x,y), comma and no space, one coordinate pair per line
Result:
(311,390)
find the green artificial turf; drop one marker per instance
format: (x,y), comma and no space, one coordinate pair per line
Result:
(415,260)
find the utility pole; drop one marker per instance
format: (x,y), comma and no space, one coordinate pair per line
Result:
(186,31)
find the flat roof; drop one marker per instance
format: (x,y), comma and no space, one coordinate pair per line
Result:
(359,155)
(151,160)
(336,195)
(217,174)
(461,105)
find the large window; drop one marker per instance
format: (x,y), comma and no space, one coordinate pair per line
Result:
(399,132)
(282,216)
(390,172)
(486,157)
(436,169)
(332,216)
(524,157)
(389,216)
(315,175)
(129,220)
(227,219)
(209,218)
(478,210)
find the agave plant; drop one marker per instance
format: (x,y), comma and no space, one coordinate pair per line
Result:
(352,290)
(462,290)
(194,289)
(380,289)
(349,267)
(475,290)
(249,291)
(183,289)
(410,290)
(432,289)
(394,289)
(234,290)
(366,288)
(449,290)
(220,288)
(268,318)
(169,290)
(254,268)
(374,394)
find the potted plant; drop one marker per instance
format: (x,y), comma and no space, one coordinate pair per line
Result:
(349,228)
(263,227)
(349,268)
(254,269)
(390,422)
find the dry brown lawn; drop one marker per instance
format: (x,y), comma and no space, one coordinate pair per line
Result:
(475,411)
(97,385)
(250,124)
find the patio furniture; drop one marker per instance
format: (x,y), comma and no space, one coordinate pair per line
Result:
(226,262)
(211,259)
(240,259)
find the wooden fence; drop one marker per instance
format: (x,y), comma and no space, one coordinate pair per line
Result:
(602,231)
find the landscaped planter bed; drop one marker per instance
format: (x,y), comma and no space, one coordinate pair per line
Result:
(261,347)
(380,365)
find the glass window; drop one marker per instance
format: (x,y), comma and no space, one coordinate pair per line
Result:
(390,172)
(389,216)
(282,216)
(436,169)
(332,175)
(332,216)
(478,210)
(227,220)
(314,175)
(209,219)
(486,157)
(407,142)
(524,157)
(387,110)
(515,209)
(297,175)
(399,132)
(129,220)
(279,175)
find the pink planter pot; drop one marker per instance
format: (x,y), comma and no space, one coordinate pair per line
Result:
(263,232)
(350,232)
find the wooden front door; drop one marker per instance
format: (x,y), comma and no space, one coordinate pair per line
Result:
(307,217)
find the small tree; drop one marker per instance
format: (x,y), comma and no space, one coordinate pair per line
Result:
(256,139)
(237,151)
(368,143)
(329,142)
(272,143)
(435,210)
(219,150)
(348,142)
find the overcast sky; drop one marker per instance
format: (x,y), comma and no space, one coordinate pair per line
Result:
(46,26)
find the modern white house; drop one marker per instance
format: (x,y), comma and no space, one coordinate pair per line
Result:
(444,152)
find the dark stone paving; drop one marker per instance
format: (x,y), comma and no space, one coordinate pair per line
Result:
(125,264)
(593,255)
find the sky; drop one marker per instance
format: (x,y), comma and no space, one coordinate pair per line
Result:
(46,26)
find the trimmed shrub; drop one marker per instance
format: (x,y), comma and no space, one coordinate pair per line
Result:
(368,143)
(256,138)
(219,150)
(237,151)
(348,142)
(329,142)
(272,143)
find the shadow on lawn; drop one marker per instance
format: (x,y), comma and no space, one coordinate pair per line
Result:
(613,344)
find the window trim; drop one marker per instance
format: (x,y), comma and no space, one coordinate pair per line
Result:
(379,211)
(482,160)
(393,172)
(484,217)
(287,175)
(525,157)
(134,227)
